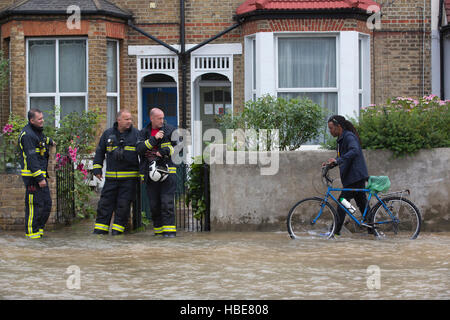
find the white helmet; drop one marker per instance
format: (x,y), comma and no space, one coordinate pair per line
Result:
(158,173)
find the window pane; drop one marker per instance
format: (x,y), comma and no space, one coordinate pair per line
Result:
(72,66)
(307,62)
(72,104)
(46,105)
(42,66)
(112,111)
(111,72)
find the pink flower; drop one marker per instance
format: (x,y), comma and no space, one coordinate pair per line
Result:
(8,128)
(430,97)
(73,154)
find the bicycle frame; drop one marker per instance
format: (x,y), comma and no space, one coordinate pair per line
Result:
(358,222)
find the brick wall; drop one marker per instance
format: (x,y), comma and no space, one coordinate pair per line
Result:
(401,51)
(401,62)
(300,25)
(12,199)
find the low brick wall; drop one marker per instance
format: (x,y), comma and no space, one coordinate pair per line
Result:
(244,199)
(12,199)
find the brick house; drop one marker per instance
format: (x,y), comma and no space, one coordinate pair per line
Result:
(200,58)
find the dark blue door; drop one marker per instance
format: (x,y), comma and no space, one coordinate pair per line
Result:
(162,98)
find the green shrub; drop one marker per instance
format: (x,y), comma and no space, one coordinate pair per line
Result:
(405,125)
(9,152)
(195,184)
(298,121)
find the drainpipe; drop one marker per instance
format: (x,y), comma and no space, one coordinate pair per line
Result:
(168,46)
(423,47)
(183,60)
(234,26)
(441,49)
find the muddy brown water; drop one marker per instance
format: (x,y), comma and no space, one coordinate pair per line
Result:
(71,263)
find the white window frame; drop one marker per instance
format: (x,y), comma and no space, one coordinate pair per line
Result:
(308,90)
(115,94)
(364,71)
(56,95)
(253,68)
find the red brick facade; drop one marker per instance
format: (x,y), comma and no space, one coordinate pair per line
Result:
(399,51)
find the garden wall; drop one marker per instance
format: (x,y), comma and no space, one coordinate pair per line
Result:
(12,199)
(242,199)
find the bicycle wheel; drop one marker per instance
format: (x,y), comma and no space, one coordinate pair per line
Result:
(403,222)
(307,218)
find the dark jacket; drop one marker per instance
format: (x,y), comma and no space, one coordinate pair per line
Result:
(350,159)
(34,152)
(121,156)
(165,146)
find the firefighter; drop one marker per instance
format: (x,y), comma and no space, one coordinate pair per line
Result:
(34,153)
(156,148)
(122,171)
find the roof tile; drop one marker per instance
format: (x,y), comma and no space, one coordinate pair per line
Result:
(253,5)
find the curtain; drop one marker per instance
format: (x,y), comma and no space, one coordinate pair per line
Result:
(111,72)
(111,111)
(42,66)
(72,66)
(46,105)
(307,62)
(72,104)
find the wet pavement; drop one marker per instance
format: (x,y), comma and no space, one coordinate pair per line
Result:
(71,263)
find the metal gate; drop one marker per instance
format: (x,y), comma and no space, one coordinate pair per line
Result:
(184,212)
(65,195)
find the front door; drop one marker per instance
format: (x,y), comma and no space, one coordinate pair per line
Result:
(164,98)
(214,102)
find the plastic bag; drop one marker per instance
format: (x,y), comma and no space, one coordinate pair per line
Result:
(379,183)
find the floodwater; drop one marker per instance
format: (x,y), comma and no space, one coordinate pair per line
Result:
(71,263)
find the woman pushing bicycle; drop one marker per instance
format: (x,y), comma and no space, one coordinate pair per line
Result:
(352,165)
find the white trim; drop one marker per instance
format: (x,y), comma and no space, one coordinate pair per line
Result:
(159,84)
(140,85)
(214,49)
(349,57)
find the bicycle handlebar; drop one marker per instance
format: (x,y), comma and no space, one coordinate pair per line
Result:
(325,170)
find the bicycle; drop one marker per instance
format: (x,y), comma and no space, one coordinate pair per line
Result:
(393,216)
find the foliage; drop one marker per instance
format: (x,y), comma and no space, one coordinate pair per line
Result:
(297,121)
(196,188)
(75,140)
(82,194)
(75,130)
(9,141)
(406,125)
(4,71)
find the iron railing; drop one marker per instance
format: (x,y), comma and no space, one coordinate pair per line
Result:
(184,212)
(65,195)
